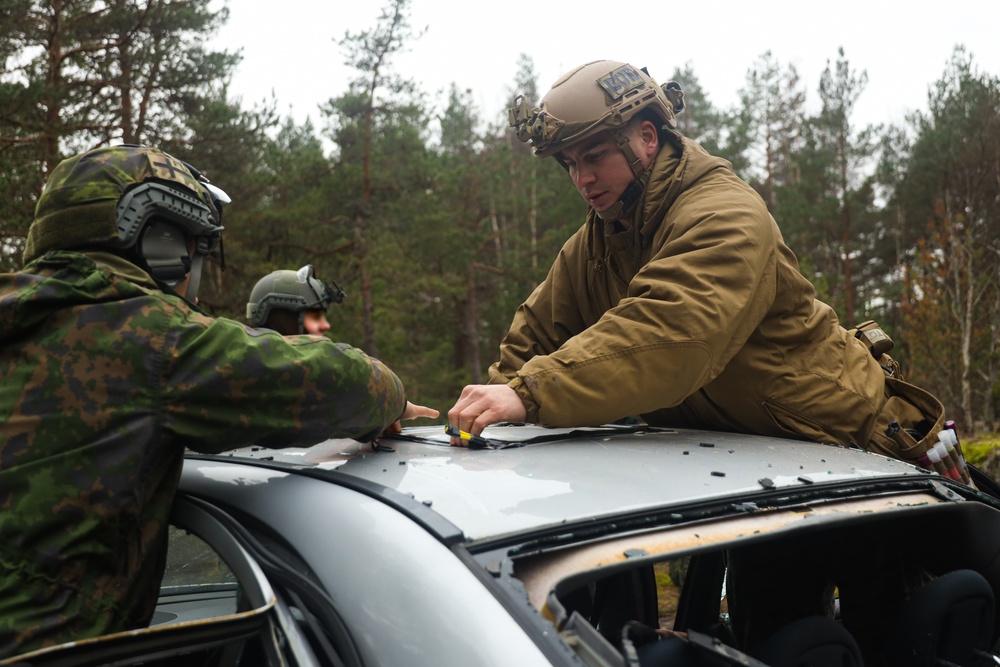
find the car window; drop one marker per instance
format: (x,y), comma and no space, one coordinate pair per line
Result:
(216,576)
(741,582)
(190,561)
(669,579)
(197,583)
(215,608)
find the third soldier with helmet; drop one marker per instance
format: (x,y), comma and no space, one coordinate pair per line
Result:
(292,302)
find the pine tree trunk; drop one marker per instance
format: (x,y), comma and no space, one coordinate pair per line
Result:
(368,306)
(471,328)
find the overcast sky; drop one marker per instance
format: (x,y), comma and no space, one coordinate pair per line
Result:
(290,46)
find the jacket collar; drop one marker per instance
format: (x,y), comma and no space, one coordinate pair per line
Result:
(119,266)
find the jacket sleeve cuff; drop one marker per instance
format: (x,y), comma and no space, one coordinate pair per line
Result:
(530,406)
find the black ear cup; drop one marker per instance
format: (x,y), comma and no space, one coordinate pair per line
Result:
(164,248)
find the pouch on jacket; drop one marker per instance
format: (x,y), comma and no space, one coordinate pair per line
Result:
(910,427)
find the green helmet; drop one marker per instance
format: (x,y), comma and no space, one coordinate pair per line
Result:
(295,291)
(133,200)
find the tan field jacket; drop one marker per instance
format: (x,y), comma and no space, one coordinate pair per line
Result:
(696,316)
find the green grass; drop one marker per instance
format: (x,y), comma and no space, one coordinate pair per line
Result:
(667,594)
(979,446)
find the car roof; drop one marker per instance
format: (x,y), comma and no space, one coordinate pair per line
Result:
(531,478)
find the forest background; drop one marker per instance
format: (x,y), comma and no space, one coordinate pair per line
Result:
(438,224)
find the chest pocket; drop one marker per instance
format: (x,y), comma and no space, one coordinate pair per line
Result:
(606,285)
(615,264)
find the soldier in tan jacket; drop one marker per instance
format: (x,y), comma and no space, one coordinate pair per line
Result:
(678,299)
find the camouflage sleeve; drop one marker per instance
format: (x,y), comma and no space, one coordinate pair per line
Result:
(227,385)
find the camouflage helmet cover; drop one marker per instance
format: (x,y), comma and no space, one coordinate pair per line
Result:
(79,205)
(600,95)
(295,291)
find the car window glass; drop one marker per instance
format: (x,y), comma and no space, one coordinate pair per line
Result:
(190,561)
(197,583)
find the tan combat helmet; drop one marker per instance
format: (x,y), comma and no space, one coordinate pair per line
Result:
(603,95)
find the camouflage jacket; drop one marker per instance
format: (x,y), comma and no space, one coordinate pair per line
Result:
(104,381)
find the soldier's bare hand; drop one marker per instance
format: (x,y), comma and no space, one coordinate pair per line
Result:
(483,404)
(412,411)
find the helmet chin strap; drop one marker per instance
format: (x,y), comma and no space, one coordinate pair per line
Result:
(633,190)
(192,288)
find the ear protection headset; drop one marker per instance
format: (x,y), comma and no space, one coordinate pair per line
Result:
(157,219)
(165,251)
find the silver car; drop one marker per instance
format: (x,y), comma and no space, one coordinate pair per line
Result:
(560,546)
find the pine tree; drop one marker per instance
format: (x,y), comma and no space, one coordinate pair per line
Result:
(81,73)
(951,190)
(377,121)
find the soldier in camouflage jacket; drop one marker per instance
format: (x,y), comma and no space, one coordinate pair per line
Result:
(107,374)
